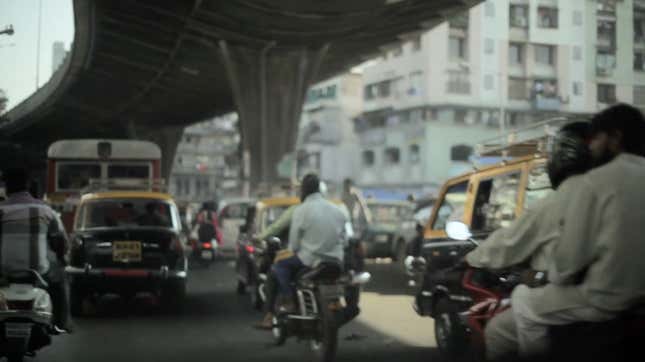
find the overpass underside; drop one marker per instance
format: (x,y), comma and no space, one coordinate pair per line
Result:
(147,68)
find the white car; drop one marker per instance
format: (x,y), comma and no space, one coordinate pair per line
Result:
(232,215)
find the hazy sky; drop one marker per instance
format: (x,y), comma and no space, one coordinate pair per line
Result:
(18,52)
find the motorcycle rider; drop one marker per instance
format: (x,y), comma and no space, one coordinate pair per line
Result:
(530,236)
(317,234)
(207,223)
(594,270)
(32,237)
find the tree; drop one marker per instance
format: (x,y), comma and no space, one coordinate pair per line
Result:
(3,101)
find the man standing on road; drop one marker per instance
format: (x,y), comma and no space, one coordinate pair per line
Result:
(32,237)
(596,271)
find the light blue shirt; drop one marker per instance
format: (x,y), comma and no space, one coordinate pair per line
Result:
(318,231)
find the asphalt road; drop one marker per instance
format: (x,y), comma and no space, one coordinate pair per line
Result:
(216,326)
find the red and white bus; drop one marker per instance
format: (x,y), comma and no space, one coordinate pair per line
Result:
(73,164)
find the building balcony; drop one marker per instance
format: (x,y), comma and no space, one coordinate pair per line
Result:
(546,103)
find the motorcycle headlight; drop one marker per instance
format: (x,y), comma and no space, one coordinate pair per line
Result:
(43,303)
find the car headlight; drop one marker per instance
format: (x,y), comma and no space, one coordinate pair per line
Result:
(43,303)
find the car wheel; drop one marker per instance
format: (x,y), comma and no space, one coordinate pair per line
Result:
(173,294)
(76,298)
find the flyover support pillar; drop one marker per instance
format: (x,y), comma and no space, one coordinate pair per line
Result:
(167,138)
(269,87)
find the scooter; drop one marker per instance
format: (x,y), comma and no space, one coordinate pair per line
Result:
(204,251)
(25,315)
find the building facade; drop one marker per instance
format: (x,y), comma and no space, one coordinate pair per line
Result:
(504,64)
(58,55)
(326,142)
(206,165)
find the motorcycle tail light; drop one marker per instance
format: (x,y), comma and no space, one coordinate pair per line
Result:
(207,245)
(250,249)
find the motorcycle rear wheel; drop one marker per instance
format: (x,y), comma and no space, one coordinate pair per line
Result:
(325,344)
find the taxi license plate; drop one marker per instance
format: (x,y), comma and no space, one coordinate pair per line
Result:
(126,251)
(17,330)
(383,238)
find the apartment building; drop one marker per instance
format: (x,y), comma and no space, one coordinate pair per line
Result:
(206,164)
(326,142)
(617,47)
(504,64)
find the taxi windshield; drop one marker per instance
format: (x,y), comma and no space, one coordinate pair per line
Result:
(125,213)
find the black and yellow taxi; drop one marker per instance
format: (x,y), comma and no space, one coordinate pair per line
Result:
(127,242)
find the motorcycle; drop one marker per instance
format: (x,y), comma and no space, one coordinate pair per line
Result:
(460,333)
(320,297)
(25,315)
(204,251)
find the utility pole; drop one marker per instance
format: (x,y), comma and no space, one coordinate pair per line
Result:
(40,15)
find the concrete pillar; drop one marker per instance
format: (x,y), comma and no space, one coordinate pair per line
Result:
(167,138)
(269,86)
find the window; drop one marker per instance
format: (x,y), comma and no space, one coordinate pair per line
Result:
(639,95)
(75,176)
(577,18)
(606,93)
(639,61)
(547,17)
(460,116)
(392,155)
(606,34)
(639,25)
(452,206)
(519,16)
(458,83)
(126,213)
(488,82)
(605,62)
(378,90)
(460,153)
(517,89)
(489,46)
(458,48)
(545,88)
(416,83)
(545,54)
(496,202)
(368,158)
(516,54)
(416,44)
(415,153)
(489,8)
(577,53)
(577,88)
(129,171)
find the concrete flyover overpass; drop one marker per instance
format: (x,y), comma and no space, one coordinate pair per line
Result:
(147,68)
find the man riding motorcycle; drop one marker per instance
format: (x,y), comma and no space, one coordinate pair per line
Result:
(317,229)
(32,237)
(592,270)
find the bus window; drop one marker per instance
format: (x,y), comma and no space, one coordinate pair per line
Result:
(75,176)
(129,171)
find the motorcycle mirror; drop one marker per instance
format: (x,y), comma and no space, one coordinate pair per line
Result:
(457,230)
